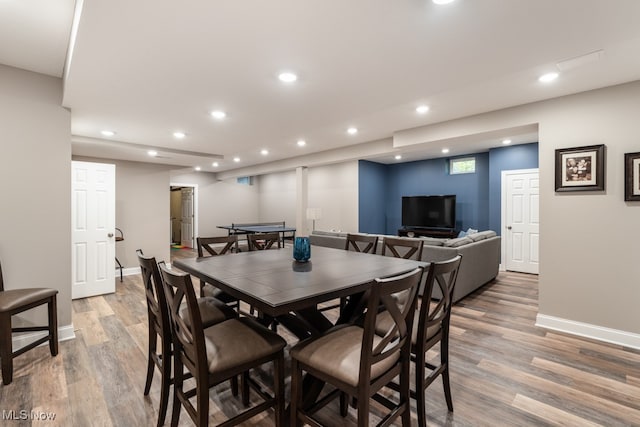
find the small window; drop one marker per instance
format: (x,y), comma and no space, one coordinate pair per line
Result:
(462,165)
(244,180)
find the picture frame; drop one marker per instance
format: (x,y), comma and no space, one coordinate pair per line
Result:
(631,177)
(580,168)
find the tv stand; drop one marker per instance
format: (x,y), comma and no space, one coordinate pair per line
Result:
(445,233)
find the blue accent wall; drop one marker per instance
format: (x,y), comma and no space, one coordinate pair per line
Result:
(431,177)
(372,197)
(523,156)
(478,198)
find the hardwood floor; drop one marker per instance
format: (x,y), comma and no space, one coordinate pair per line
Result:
(504,370)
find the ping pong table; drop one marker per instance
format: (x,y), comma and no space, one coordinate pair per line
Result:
(262,227)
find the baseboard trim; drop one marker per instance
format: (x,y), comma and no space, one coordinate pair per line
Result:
(599,333)
(64,333)
(129,271)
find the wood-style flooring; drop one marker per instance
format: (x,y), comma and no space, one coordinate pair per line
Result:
(504,370)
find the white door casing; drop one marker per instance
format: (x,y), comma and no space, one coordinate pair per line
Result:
(187,223)
(521,220)
(93,218)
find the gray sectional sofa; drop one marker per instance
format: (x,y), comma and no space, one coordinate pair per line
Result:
(480,256)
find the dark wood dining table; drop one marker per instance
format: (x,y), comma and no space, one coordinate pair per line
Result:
(279,287)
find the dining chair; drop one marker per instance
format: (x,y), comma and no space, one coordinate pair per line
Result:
(406,248)
(215,246)
(357,361)
(430,328)
(362,243)
(217,353)
(212,312)
(263,241)
(16,301)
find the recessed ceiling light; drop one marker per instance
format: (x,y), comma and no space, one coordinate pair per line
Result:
(152,153)
(179,134)
(442,1)
(215,164)
(422,109)
(398,157)
(198,168)
(506,141)
(287,77)
(218,114)
(264,152)
(107,133)
(302,143)
(236,159)
(445,150)
(352,131)
(549,77)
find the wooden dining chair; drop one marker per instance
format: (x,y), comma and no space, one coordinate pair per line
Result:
(363,243)
(263,241)
(216,246)
(357,361)
(212,312)
(431,327)
(406,248)
(367,244)
(217,353)
(16,301)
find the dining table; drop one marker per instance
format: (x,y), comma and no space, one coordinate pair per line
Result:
(280,288)
(277,286)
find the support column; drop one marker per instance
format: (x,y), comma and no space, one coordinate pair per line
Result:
(302,190)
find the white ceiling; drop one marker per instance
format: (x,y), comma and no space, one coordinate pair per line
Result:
(147,68)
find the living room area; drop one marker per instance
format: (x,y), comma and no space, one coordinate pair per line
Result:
(381,107)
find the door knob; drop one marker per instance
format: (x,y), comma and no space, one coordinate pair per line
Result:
(110,235)
(508,227)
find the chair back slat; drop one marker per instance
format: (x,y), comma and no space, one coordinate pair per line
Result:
(396,296)
(156,302)
(444,275)
(188,334)
(361,243)
(263,241)
(402,248)
(211,245)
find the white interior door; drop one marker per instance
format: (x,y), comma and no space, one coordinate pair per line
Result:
(521,220)
(93,218)
(187,217)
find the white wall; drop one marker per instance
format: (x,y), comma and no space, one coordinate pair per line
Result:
(590,241)
(142,209)
(35,170)
(219,202)
(332,188)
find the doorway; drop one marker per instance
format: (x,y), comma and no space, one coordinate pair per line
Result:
(183,215)
(93,222)
(521,220)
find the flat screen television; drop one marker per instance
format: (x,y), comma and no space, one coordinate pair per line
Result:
(429,211)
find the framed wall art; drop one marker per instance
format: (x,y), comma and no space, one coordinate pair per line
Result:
(580,168)
(631,177)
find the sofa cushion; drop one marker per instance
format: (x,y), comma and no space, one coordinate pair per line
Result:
(432,241)
(330,233)
(460,241)
(488,233)
(477,236)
